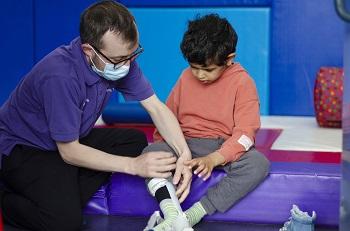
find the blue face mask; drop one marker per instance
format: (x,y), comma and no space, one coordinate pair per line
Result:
(109,72)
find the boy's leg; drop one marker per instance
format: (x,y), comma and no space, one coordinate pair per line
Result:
(242,177)
(164,191)
(200,147)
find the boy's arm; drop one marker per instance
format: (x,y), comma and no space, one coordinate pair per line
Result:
(204,165)
(246,117)
(169,128)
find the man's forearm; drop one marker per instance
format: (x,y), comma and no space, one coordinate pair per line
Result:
(154,164)
(167,125)
(169,128)
(81,155)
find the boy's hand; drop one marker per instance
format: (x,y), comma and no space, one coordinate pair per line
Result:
(182,178)
(204,165)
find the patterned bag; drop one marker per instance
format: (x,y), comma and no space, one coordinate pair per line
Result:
(328,95)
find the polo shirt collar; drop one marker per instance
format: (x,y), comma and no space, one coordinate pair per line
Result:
(89,75)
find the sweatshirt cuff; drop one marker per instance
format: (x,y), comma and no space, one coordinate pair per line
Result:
(232,153)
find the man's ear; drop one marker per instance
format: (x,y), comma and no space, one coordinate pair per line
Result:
(229,60)
(87,49)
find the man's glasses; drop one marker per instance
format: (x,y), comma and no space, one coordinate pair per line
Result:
(122,62)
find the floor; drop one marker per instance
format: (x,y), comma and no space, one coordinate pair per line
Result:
(115,223)
(301,133)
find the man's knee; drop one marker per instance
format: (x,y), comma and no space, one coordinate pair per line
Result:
(140,140)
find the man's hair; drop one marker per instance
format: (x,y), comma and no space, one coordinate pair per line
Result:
(208,40)
(105,16)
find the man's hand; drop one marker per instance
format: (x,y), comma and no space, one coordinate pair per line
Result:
(182,178)
(153,165)
(204,165)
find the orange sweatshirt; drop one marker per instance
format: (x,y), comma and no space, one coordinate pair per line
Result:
(227,108)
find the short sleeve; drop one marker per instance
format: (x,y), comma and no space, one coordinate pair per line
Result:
(134,86)
(60,98)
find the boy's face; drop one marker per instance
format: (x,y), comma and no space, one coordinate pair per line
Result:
(207,74)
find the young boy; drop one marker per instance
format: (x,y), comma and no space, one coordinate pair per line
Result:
(216,103)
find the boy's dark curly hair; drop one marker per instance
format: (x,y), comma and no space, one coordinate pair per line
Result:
(208,40)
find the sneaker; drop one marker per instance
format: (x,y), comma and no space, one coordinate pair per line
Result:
(154,220)
(180,223)
(299,221)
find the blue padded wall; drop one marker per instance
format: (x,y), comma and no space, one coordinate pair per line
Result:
(200,3)
(16,44)
(305,36)
(161,31)
(56,23)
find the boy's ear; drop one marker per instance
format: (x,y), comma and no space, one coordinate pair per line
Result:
(230,58)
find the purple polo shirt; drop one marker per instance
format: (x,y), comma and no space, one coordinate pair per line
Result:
(60,99)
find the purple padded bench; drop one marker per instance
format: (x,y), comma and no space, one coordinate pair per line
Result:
(310,180)
(312,186)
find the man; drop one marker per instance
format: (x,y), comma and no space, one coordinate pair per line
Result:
(52,159)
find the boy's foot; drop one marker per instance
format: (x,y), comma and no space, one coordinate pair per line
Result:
(179,224)
(195,213)
(154,220)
